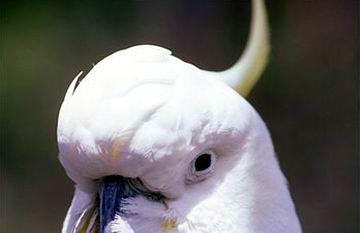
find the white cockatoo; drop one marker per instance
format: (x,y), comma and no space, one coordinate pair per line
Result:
(156,145)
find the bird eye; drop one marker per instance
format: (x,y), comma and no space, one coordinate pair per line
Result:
(202,162)
(201,167)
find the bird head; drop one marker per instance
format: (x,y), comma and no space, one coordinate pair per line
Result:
(155,144)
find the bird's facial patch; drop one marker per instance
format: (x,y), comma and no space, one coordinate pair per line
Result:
(201,167)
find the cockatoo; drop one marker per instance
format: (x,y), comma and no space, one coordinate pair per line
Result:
(157,145)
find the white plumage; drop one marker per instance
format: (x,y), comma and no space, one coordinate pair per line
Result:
(142,113)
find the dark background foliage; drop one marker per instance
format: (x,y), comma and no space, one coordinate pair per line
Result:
(308,96)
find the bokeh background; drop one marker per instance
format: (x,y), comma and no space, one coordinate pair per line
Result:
(308,96)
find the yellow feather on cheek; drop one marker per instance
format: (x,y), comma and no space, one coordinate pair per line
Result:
(116,149)
(168,225)
(90,222)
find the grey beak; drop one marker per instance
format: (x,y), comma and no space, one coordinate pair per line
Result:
(113,193)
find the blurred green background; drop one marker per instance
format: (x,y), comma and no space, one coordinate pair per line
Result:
(308,96)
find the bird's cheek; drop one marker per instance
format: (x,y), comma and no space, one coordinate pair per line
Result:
(171,187)
(119,225)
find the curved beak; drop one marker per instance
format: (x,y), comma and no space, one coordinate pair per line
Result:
(114,194)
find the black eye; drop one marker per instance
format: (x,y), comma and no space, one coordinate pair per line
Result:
(201,167)
(202,162)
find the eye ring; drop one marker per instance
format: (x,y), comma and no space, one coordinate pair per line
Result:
(201,167)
